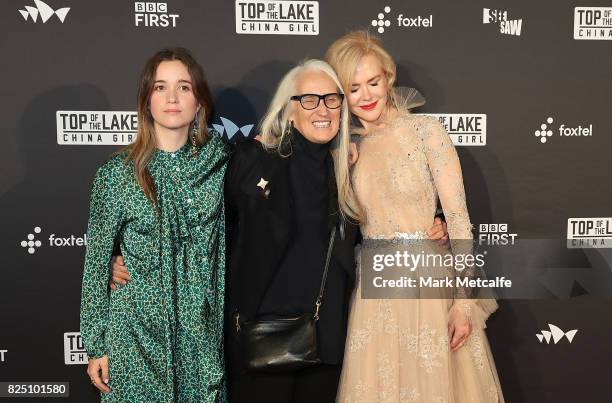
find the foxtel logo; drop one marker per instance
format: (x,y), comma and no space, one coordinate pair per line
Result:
(67,241)
(45,12)
(32,243)
(546,132)
(556,333)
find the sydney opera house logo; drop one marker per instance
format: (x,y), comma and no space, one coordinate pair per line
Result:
(556,334)
(44,11)
(230,128)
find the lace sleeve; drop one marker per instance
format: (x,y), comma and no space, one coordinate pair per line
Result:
(446,173)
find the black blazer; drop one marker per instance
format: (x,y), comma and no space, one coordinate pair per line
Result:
(259,228)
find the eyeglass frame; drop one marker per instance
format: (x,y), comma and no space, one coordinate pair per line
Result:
(321,97)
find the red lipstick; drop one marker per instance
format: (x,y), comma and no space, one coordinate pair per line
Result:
(369,107)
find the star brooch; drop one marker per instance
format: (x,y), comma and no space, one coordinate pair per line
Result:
(263,184)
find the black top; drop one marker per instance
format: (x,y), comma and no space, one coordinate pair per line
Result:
(293,290)
(277,241)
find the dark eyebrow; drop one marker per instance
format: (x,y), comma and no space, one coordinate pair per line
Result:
(180,81)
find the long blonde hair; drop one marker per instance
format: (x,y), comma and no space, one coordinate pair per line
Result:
(141,151)
(346,52)
(275,126)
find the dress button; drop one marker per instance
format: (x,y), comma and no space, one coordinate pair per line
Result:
(198,227)
(189,201)
(177,169)
(173,155)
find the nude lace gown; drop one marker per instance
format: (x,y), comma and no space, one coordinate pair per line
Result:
(397,350)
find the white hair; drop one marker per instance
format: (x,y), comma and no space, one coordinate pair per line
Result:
(275,127)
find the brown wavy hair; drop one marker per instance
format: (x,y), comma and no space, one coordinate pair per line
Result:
(141,151)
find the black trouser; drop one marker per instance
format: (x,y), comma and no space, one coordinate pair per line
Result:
(316,384)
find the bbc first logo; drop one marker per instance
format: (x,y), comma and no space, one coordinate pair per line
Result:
(495,235)
(153,14)
(74,350)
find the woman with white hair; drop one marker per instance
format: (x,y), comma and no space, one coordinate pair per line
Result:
(284,197)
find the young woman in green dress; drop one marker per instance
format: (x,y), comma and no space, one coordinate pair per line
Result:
(160,337)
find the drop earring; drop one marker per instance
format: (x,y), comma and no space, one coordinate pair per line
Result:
(195,132)
(285,141)
(289,128)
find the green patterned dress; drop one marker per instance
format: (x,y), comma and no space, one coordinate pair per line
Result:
(163,331)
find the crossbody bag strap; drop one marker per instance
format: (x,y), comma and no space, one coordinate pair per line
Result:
(319,301)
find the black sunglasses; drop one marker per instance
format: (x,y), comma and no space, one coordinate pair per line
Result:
(311,101)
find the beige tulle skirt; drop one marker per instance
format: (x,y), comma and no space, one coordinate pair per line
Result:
(397,351)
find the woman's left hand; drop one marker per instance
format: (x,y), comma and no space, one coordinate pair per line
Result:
(97,369)
(438,232)
(459,329)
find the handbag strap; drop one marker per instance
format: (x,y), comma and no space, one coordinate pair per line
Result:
(319,301)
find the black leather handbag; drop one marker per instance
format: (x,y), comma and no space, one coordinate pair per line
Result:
(283,344)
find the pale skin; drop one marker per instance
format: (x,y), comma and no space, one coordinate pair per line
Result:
(367,99)
(319,125)
(173,106)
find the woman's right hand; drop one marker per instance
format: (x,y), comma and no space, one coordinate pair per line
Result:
(97,369)
(120,274)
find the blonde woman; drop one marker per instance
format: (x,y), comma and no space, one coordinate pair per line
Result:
(407,350)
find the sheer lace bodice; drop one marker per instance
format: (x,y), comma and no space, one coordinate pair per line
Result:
(401,170)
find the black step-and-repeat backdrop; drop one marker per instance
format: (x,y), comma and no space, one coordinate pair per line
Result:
(522,86)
